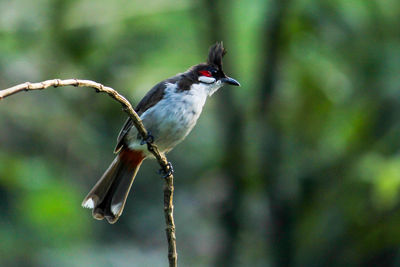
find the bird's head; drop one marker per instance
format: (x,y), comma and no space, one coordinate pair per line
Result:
(211,74)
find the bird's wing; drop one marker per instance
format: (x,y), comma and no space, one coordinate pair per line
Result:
(149,100)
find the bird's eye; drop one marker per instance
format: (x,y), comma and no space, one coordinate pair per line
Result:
(205,73)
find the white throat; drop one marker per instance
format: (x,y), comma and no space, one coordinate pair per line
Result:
(208,88)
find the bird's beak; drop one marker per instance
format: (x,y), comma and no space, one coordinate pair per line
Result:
(230,80)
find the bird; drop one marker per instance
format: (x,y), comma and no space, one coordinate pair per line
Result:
(169,111)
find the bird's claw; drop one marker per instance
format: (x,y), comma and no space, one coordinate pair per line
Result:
(167,173)
(149,139)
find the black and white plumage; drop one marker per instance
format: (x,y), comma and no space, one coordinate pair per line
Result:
(169,111)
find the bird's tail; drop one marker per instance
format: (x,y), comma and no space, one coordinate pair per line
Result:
(107,198)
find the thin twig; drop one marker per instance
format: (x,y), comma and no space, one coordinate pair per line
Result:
(127,107)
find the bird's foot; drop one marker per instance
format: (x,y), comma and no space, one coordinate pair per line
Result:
(168,172)
(149,139)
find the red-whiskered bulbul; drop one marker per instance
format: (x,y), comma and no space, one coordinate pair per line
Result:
(169,112)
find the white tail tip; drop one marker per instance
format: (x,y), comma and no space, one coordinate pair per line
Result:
(115,209)
(88,204)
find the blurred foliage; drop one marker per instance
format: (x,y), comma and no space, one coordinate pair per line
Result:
(298,167)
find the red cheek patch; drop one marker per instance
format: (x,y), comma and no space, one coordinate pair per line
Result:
(205,73)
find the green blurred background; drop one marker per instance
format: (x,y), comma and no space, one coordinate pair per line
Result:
(300,166)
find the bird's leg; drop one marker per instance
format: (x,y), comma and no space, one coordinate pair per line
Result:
(167,172)
(149,139)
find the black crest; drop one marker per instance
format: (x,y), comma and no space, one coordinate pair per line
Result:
(216,54)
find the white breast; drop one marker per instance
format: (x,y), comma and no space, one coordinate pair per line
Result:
(173,117)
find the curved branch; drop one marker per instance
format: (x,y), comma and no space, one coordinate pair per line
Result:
(127,107)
